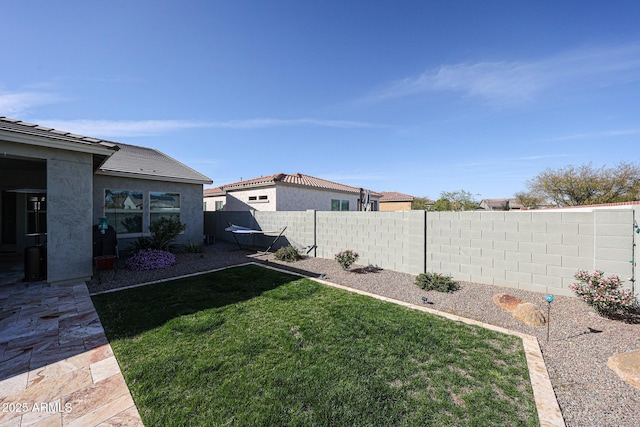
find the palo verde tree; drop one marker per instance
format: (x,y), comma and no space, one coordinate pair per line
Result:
(586,184)
(460,200)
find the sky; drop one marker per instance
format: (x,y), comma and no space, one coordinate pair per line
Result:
(419,97)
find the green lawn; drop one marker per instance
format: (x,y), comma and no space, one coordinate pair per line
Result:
(251,346)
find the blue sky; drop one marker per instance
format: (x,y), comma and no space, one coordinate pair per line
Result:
(418,97)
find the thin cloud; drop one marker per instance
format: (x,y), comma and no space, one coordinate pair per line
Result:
(519,81)
(16,103)
(594,135)
(136,128)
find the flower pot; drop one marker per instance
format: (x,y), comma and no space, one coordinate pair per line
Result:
(105,262)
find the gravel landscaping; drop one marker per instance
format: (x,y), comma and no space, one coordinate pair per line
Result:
(581,342)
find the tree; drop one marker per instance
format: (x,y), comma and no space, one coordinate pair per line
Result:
(421,203)
(528,200)
(456,201)
(586,185)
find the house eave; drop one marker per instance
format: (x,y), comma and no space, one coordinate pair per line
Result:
(47,142)
(152,177)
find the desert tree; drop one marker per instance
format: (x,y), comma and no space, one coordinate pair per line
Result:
(586,184)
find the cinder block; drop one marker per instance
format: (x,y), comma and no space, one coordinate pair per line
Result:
(506,245)
(533,268)
(532,227)
(568,250)
(518,237)
(482,262)
(577,263)
(518,277)
(546,259)
(505,226)
(546,238)
(482,244)
(492,253)
(493,235)
(506,265)
(533,248)
(494,273)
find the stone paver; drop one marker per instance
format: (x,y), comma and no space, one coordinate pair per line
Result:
(56,365)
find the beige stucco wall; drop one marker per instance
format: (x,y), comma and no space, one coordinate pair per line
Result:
(395,206)
(210,202)
(282,198)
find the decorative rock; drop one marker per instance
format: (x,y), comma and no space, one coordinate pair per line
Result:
(529,314)
(627,367)
(507,302)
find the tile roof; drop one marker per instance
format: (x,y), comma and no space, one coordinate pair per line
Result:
(31,129)
(394,196)
(125,160)
(297,179)
(211,192)
(150,163)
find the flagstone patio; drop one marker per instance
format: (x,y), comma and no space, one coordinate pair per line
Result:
(56,365)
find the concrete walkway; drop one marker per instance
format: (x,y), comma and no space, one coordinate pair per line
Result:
(56,365)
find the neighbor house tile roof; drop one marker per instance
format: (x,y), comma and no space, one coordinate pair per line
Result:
(212,192)
(297,179)
(24,128)
(394,196)
(151,164)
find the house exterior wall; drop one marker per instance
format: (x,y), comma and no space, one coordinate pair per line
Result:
(69,206)
(210,202)
(239,200)
(395,206)
(69,203)
(191,212)
(290,198)
(534,250)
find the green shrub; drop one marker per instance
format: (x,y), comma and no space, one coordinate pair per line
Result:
(164,231)
(139,245)
(436,282)
(192,248)
(288,254)
(346,258)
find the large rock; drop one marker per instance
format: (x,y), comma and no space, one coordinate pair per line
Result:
(529,314)
(507,302)
(627,367)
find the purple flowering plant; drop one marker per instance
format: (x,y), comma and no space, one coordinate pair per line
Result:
(604,294)
(150,259)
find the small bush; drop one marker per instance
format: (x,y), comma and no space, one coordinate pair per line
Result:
(346,258)
(288,254)
(164,231)
(604,294)
(192,248)
(140,244)
(150,259)
(436,282)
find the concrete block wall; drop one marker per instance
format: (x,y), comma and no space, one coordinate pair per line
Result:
(533,250)
(389,240)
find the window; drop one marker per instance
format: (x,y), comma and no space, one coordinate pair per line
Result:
(219,205)
(123,209)
(163,205)
(257,199)
(339,205)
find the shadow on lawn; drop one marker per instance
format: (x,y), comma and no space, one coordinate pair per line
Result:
(129,312)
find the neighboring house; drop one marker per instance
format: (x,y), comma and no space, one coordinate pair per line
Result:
(285,192)
(500,204)
(394,201)
(55,186)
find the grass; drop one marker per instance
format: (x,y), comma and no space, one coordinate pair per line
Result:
(251,346)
